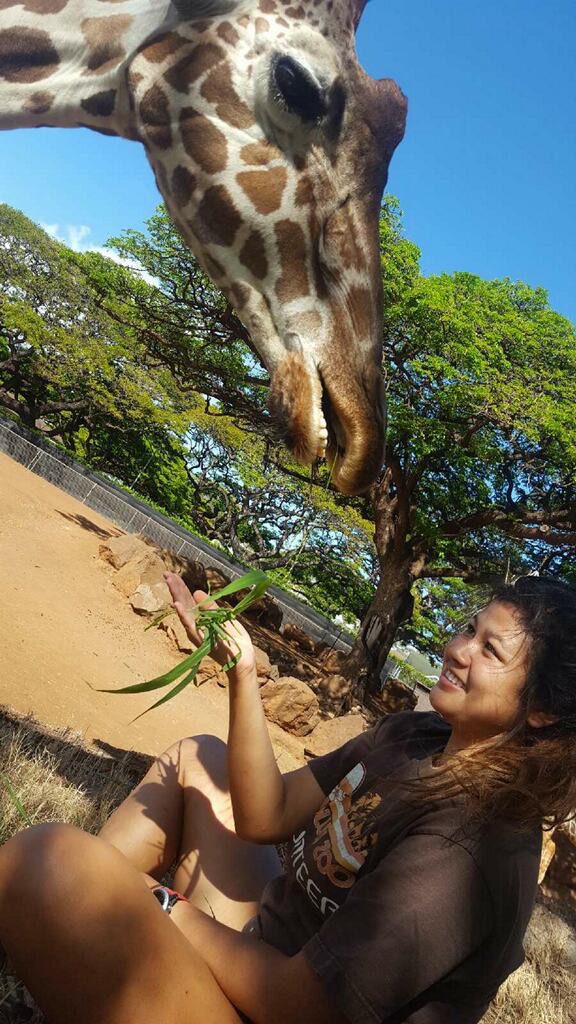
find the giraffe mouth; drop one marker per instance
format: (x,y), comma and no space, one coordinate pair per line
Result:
(327,415)
(355,418)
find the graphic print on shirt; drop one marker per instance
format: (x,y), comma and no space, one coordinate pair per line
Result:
(344,831)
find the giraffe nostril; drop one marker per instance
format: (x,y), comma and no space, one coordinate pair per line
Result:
(297,91)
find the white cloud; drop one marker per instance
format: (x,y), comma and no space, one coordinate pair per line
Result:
(74,236)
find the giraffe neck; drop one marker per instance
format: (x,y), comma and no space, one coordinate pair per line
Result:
(66,66)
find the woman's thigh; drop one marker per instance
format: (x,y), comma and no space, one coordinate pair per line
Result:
(91,942)
(217,871)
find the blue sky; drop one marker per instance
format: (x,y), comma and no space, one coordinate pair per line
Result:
(486,175)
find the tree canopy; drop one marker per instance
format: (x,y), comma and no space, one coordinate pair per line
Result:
(154,380)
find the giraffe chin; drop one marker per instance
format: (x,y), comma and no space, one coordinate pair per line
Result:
(315,427)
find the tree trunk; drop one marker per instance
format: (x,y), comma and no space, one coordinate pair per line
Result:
(391,606)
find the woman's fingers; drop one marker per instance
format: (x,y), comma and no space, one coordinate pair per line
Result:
(178,590)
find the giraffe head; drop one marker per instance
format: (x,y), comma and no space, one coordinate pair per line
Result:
(271,148)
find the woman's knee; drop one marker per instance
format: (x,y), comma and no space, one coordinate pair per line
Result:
(35,856)
(200,756)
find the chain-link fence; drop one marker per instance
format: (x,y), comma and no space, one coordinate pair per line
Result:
(135,516)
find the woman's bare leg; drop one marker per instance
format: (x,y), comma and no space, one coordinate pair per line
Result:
(91,943)
(181,814)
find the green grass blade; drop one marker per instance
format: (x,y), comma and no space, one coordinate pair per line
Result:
(190,663)
(15,799)
(168,696)
(256,578)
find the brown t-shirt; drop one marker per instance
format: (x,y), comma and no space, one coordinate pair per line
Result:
(405,913)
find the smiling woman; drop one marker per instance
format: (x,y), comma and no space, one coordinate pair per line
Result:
(405,891)
(508,690)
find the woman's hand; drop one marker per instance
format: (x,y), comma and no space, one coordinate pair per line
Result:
(239,644)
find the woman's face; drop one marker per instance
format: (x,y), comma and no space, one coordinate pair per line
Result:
(483,674)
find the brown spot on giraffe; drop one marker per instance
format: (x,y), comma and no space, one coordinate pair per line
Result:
(163,46)
(228,33)
(39,102)
(258,153)
(293,281)
(183,185)
(101,104)
(155,115)
(104,37)
(262,25)
(219,90)
(35,6)
(197,61)
(308,323)
(268,6)
(264,188)
(239,295)
(217,219)
(253,255)
(360,308)
(26,55)
(295,12)
(304,195)
(213,267)
(203,141)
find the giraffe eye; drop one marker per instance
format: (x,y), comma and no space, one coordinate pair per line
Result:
(297,91)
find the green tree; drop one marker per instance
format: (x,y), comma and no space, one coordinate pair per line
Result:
(479,483)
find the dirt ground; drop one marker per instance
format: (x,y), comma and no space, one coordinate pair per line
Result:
(64,628)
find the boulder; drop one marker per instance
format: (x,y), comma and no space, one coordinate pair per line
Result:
(291,704)
(211,672)
(397,696)
(145,567)
(216,580)
(297,636)
(150,598)
(192,572)
(125,548)
(263,663)
(334,733)
(265,612)
(333,686)
(177,634)
(332,660)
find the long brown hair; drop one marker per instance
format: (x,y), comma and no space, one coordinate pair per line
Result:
(527,776)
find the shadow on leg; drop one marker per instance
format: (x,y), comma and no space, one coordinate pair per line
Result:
(90,941)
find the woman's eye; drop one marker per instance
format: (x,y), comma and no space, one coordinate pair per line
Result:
(488,646)
(469,629)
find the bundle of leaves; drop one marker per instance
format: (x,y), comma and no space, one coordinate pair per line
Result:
(212,623)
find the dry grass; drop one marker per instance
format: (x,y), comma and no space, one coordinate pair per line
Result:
(57,777)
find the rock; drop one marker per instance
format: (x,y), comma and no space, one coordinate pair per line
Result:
(562,871)
(216,580)
(146,567)
(335,687)
(266,612)
(297,635)
(397,696)
(333,733)
(291,704)
(548,851)
(126,548)
(177,634)
(263,663)
(332,661)
(211,672)
(192,572)
(150,599)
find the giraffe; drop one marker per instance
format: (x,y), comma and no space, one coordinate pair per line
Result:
(270,146)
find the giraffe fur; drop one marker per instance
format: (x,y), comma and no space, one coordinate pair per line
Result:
(270,146)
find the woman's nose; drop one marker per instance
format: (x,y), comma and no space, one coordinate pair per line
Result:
(459,649)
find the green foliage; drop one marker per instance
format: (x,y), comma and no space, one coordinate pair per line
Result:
(408,674)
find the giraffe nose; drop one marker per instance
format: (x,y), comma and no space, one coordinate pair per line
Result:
(297,89)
